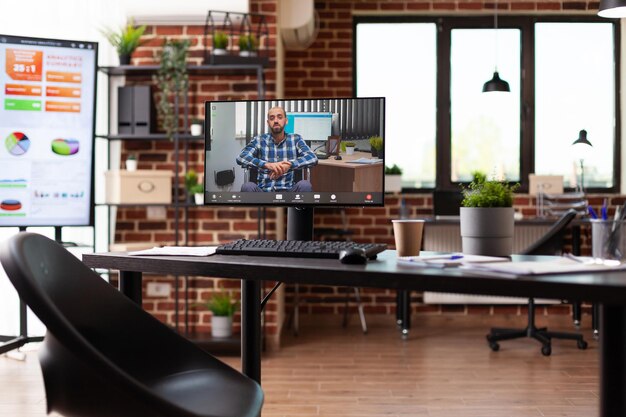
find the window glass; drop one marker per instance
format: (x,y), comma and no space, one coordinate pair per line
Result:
(405,72)
(485,127)
(575,90)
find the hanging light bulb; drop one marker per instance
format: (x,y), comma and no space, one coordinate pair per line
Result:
(612,8)
(496,84)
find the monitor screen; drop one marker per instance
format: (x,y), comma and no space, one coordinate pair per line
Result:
(306,152)
(48,90)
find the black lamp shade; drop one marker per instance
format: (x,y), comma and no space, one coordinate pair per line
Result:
(496,84)
(582,139)
(612,8)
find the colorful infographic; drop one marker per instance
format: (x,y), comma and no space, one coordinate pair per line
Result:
(65,147)
(17,143)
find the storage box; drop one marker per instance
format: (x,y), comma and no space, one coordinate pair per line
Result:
(138,187)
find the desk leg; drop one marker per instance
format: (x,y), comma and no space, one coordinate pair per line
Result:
(612,360)
(405,297)
(251,329)
(130,285)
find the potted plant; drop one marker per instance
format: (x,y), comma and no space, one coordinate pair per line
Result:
(348,147)
(196,127)
(125,41)
(248,45)
(131,162)
(194,187)
(223,307)
(173,81)
(220,43)
(487,220)
(393,179)
(376,144)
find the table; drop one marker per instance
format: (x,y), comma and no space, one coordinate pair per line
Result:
(333,175)
(606,288)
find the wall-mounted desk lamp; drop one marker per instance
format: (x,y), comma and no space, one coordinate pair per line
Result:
(612,8)
(580,150)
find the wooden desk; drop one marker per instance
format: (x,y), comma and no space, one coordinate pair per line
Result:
(331,175)
(607,288)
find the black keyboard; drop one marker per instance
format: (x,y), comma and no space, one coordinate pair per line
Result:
(296,248)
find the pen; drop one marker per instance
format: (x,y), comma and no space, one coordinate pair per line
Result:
(438,258)
(603,209)
(592,212)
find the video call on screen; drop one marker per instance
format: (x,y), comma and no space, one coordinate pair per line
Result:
(299,158)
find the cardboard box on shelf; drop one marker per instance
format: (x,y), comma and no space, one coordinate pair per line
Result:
(138,187)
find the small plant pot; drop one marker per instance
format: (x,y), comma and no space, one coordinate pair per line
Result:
(199,198)
(374,153)
(219,51)
(124,59)
(487,230)
(131,165)
(221,326)
(247,53)
(349,150)
(393,183)
(196,129)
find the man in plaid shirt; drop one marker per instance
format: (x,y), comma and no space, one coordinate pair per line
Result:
(276,156)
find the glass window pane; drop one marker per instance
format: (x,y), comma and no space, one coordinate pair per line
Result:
(406,76)
(485,127)
(575,90)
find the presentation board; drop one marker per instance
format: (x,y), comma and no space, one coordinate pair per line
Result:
(47,91)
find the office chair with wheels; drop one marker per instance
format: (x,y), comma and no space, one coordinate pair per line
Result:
(551,243)
(104,356)
(250,174)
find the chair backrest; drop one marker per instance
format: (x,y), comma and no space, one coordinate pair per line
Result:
(107,345)
(224,177)
(551,243)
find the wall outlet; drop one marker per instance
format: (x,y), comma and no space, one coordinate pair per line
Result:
(156,213)
(158,289)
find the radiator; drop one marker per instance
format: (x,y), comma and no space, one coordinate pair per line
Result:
(447,238)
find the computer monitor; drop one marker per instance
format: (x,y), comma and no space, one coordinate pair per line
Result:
(262,152)
(48,93)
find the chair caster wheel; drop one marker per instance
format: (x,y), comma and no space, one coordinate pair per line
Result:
(546,350)
(494,346)
(582,345)
(596,335)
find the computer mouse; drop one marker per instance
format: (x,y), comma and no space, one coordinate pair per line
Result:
(353,256)
(338,157)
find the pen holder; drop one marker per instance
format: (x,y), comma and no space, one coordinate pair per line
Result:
(608,239)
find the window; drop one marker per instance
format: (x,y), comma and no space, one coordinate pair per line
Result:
(407,77)
(562,75)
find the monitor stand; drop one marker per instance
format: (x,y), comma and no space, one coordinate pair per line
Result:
(300,223)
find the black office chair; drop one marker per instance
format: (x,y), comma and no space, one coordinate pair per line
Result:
(225,177)
(551,243)
(104,356)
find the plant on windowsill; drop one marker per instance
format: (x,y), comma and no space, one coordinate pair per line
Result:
(223,307)
(220,43)
(194,187)
(248,45)
(393,179)
(173,81)
(125,41)
(487,217)
(376,144)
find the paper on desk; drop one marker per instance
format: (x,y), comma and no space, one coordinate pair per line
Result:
(561,265)
(177,251)
(441,261)
(366,161)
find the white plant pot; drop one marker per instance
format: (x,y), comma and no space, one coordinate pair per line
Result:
(219,51)
(247,53)
(199,198)
(221,326)
(131,165)
(196,129)
(349,150)
(487,230)
(393,183)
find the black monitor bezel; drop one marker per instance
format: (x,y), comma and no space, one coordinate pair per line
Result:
(67,43)
(207,130)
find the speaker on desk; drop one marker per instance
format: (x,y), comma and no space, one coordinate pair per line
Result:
(135,112)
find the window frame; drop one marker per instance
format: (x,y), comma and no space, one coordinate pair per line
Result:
(526,24)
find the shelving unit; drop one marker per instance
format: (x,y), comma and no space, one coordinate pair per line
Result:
(254,67)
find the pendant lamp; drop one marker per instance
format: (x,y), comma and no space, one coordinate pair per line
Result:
(496,84)
(612,8)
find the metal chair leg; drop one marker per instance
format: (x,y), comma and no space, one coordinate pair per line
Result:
(359,305)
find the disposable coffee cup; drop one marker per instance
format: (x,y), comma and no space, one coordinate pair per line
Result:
(408,236)
(608,239)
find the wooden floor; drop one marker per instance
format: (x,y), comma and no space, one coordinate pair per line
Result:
(444,369)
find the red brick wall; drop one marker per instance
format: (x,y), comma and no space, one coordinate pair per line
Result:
(325,69)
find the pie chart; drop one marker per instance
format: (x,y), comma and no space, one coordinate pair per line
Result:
(17,143)
(65,146)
